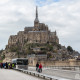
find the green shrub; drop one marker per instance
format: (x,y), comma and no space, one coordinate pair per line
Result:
(69,48)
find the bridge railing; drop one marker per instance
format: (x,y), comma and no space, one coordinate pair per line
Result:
(40,75)
(64,67)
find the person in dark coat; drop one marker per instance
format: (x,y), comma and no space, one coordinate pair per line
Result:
(6,65)
(0,65)
(37,66)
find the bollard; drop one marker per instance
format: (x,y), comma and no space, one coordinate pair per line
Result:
(30,73)
(43,77)
(50,78)
(38,75)
(34,74)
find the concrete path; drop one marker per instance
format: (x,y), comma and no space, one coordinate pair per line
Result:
(6,74)
(67,74)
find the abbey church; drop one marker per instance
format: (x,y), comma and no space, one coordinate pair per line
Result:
(39,33)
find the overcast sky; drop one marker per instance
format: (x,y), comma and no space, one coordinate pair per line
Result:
(60,15)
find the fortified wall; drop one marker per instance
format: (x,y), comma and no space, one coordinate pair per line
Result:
(70,62)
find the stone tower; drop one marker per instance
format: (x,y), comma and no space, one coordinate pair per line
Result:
(36,21)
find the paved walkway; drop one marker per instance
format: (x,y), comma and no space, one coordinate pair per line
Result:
(67,74)
(6,74)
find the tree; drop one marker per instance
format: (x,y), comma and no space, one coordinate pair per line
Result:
(69,48)
(2,56)
(59,46)
(30,51)
(18,53)
(49,47)
(49,55)
(14,48)
(1,51)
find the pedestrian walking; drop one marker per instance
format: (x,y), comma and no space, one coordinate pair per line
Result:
(6,65)
(1,65)
(10,65)
(40,67)
(13,66)
(37,66)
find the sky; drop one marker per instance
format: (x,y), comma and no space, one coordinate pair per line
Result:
(60,15)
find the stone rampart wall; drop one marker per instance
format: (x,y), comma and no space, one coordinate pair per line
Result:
(57,63)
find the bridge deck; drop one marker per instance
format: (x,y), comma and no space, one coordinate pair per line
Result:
(6,74)
(67,74)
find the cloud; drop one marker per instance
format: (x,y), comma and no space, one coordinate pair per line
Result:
(3,1)
(14,16)
(60,15)
(63,16)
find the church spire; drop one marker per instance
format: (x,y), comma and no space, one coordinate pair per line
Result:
(36,19)
(36,12)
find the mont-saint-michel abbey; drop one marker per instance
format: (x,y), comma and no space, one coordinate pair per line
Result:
(38,43)
(39,33)
(36,52)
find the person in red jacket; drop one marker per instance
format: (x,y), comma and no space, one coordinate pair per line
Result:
(1,65)
(40,67)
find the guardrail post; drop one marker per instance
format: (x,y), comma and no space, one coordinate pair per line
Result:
(38,75)
(43,77)
(30,73)
(50,78)
(27,72)
(34,74)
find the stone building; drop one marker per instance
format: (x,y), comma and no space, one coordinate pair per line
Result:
(39,33)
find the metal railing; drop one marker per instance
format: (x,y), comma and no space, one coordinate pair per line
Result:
(40,75)
(64,67)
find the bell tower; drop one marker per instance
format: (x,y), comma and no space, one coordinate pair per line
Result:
(36,21)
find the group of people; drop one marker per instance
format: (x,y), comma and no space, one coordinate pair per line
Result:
(6,65)
(39,67)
